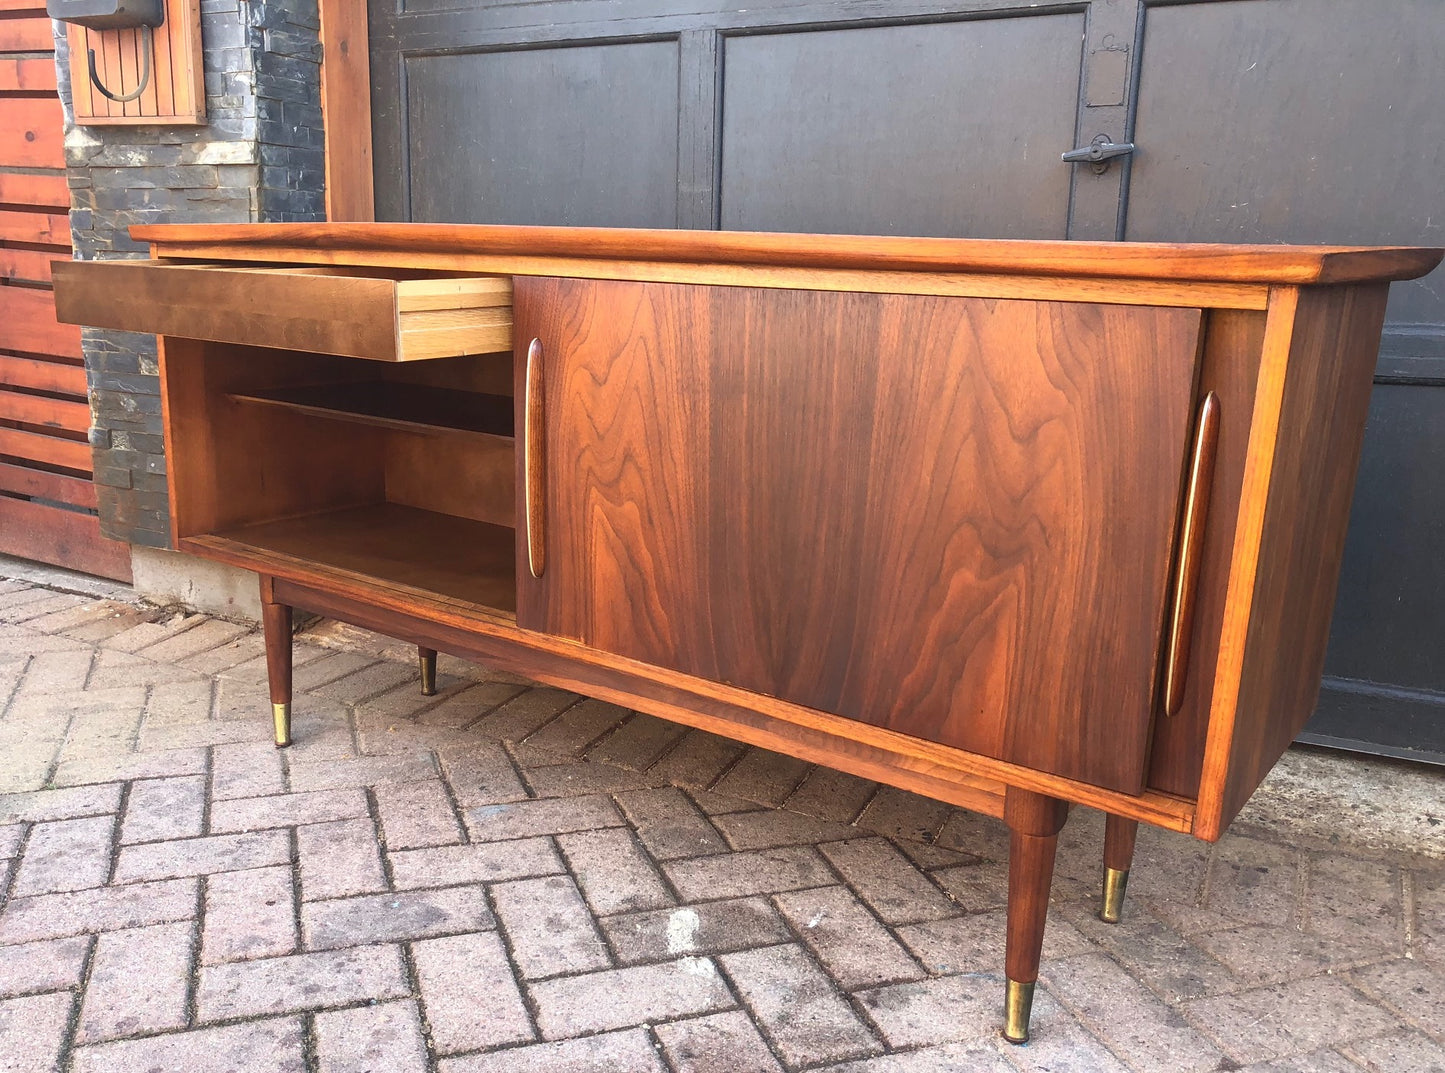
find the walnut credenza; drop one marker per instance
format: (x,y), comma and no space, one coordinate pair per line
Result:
(1013,525)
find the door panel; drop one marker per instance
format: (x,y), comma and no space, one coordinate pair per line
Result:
(1321,121)
(903,130)
(951,517)
(1384,674)
(570,136)
(1284,122)
(935,117)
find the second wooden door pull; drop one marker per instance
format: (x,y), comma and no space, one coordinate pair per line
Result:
(1191,552)
(534,461)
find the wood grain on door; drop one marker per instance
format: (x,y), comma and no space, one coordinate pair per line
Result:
(923,512)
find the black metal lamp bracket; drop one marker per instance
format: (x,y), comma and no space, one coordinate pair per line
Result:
(147,47)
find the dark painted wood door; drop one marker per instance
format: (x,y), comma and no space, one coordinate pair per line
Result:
(1324,121)
(883,116)
(952,517)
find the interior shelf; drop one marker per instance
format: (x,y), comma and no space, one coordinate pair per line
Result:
(412,407)
(438,553)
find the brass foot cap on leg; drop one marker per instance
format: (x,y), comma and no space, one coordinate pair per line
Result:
(428,675)
(1018,1004)
(1115,882)
(281,715)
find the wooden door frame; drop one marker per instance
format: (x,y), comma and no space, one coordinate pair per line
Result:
(346,111)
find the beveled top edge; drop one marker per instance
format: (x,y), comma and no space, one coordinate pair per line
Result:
(1199,262)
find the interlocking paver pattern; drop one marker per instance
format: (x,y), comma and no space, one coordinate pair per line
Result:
(386,1037)
(507,878)
(473,1002)
(138,982)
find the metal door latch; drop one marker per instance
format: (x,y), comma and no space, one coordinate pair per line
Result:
(1098,153)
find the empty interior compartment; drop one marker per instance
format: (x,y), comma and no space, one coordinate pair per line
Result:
(399,474)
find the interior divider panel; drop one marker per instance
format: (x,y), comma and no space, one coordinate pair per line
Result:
(410,407)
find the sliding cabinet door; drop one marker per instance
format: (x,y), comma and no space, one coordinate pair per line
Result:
(950,517)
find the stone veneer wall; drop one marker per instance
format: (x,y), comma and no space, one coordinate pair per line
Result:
(258,158)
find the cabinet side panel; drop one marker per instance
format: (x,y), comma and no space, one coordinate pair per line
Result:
(1232,345)
(190,447)
(1322,420)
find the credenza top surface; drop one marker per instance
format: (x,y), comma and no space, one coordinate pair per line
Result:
(1291,265)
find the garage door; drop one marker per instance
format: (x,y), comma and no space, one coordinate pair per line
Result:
(769,116)
(1256,121)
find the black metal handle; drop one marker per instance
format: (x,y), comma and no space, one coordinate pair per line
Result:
(146,48)
(1098,152)
(1101,148)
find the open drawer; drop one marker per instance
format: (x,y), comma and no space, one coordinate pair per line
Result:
(353,312)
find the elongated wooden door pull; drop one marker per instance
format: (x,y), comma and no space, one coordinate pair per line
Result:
(534,461)
(1191,552)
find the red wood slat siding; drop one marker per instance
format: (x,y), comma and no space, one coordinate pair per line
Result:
(47,497)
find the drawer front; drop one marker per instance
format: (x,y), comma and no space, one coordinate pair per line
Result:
(952,517)
(320,310)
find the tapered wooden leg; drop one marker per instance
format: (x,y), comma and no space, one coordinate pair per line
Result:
(1034,822)
(276,626)
(1119,835)
(427,658)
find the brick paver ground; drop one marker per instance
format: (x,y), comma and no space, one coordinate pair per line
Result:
(510,878)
